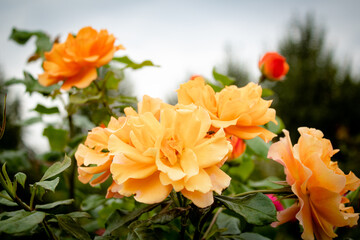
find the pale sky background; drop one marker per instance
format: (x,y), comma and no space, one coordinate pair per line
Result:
(183,37)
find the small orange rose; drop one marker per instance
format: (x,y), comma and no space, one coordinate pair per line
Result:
(93,157)
(239,111)
(75,61)
(273,66)
(318,183)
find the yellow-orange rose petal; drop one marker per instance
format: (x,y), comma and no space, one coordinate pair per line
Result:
(239,111)
(317,182)
(75,61)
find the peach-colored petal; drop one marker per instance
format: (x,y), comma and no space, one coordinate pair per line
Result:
(219,179)
(286,215)
(200,199)
(317,182)
(250,132)
(212,150)
(200,182)
(189,163)
(113,191)
(81,80)
(148,190)
(123,168)
(75,61)
(117,146)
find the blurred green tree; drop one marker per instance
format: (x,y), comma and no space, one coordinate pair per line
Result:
(319,92)
(235,69)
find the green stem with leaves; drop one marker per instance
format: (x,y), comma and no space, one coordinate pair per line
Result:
(106,105)
(24,206)
(33,197)
(212,223)
(286,190)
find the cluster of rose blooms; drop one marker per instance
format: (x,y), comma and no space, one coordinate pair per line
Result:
(162,148)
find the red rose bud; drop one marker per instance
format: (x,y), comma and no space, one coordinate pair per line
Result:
(273,66)
(238,147)
(276,202)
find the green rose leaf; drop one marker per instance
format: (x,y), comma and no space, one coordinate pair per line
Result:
(252,236)
(49,185)
(112,79)
(223,79)
(57,168)
(57,138)
(21,222)
(216,88)
(244,170)
(30,121)
(130,64)
(276,128)
(266,92)
(229,224)
(20,178)
(5,199)
(258,146)
(32,85)
(91,202)
(72,227)
(54,204)
(255,208)
(117,219)
(45,110)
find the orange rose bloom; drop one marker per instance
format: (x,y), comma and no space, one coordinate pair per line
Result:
(95,153)
(273,66)
(239,111)
(75,61)
(173,153)
(318,183)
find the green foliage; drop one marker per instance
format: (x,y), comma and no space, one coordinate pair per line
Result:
(49,185)
(20,178)
(255,208)
(45,110)
(276,128)
(69,225)
(21,221)
(318,89)
(59,207)
(222,79)
(117,220)
(42,43)
(57,138)
(258,146)
(131,64)
(32,85)
(57,168)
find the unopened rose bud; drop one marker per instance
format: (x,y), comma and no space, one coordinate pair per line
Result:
(273,66)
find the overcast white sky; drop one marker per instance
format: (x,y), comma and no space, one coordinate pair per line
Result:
(183,37)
